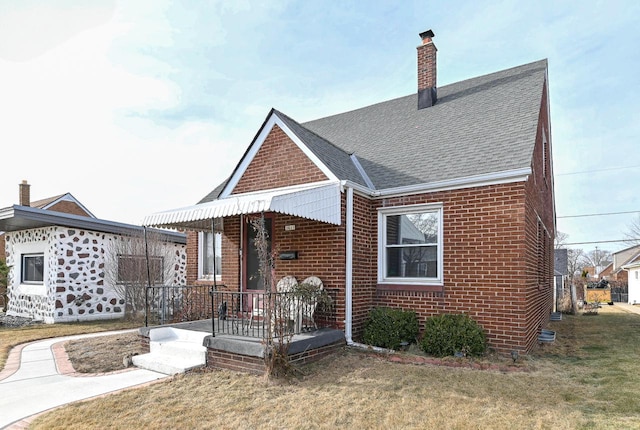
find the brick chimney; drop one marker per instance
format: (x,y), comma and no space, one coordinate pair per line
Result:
(427,89)
(25,194)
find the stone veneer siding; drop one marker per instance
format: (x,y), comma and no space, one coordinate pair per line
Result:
(75,286)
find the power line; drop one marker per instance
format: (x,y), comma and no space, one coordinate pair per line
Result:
(596,170)
(602,214)
(601,241)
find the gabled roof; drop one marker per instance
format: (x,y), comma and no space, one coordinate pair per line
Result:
(51,201)
(478,126)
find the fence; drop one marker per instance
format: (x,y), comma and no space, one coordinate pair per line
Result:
(620,293)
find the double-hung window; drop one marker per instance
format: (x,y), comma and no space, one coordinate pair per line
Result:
(210,248)
(410,245)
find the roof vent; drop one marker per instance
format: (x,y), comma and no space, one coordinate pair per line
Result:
(427,89)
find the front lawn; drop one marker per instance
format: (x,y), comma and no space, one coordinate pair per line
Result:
(588,378)
(10,336)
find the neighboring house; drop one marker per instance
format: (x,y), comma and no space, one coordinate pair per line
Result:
(560,273)
(441,201)
(63,260)
(633,268)
(615,271)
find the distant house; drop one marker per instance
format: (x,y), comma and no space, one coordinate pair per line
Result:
(60,256)
(633,268)
(560,272)
(441,201)
(615,271)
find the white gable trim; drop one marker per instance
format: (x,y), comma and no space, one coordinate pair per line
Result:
(257,144)
(68,198)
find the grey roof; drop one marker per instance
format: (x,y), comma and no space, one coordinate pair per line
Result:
(215,193)
(16,217)
(336,159)
(478,126)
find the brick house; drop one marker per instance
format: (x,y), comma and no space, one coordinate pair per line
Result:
(615,271)
(441,201)
(63,259)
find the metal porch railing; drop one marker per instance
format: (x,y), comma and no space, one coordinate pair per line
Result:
(249,314)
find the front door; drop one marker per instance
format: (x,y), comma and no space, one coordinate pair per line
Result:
(253,279)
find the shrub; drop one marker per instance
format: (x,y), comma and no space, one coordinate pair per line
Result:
(388,328)
(450,333)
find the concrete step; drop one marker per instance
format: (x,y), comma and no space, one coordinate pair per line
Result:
(179,349)
(166,364)
(173,351)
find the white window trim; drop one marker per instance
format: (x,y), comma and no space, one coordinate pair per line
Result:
(382,239)
(201,256)
(34,289)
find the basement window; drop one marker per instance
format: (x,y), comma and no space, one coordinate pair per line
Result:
(410,245)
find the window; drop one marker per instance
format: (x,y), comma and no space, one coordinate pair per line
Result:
(207,250)
(410,239)
(32,268)
(132,269)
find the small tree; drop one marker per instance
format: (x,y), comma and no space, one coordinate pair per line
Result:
(633,231)
(134,262)
(278,333)
(4,273)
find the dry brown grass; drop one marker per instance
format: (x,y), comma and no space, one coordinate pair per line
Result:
(588,378)
(10,337)
(104,353)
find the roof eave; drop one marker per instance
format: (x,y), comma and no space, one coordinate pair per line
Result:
(17,218)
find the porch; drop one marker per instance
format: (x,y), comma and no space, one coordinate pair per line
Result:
(234,328)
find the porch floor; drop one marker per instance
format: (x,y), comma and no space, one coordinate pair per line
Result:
(235,337)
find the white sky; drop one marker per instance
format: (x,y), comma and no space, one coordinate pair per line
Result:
(135,107)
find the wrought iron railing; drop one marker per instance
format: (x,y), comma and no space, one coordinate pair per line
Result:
(250,314)
(259,314)
(174,304)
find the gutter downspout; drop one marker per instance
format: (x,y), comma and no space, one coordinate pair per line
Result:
(348,322)
(349,269)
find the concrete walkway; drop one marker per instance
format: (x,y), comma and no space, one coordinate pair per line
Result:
(628,308)
(38,377)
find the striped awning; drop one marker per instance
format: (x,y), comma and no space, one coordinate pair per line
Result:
(320,202)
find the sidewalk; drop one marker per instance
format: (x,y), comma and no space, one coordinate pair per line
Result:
(36,378)
(628,308)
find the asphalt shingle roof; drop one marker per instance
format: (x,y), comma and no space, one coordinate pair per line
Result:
(478,126)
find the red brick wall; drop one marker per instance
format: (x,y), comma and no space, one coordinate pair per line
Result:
(540,233)
(69,208)
(483,250)
(497,265)
(278,163)
(498,268)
